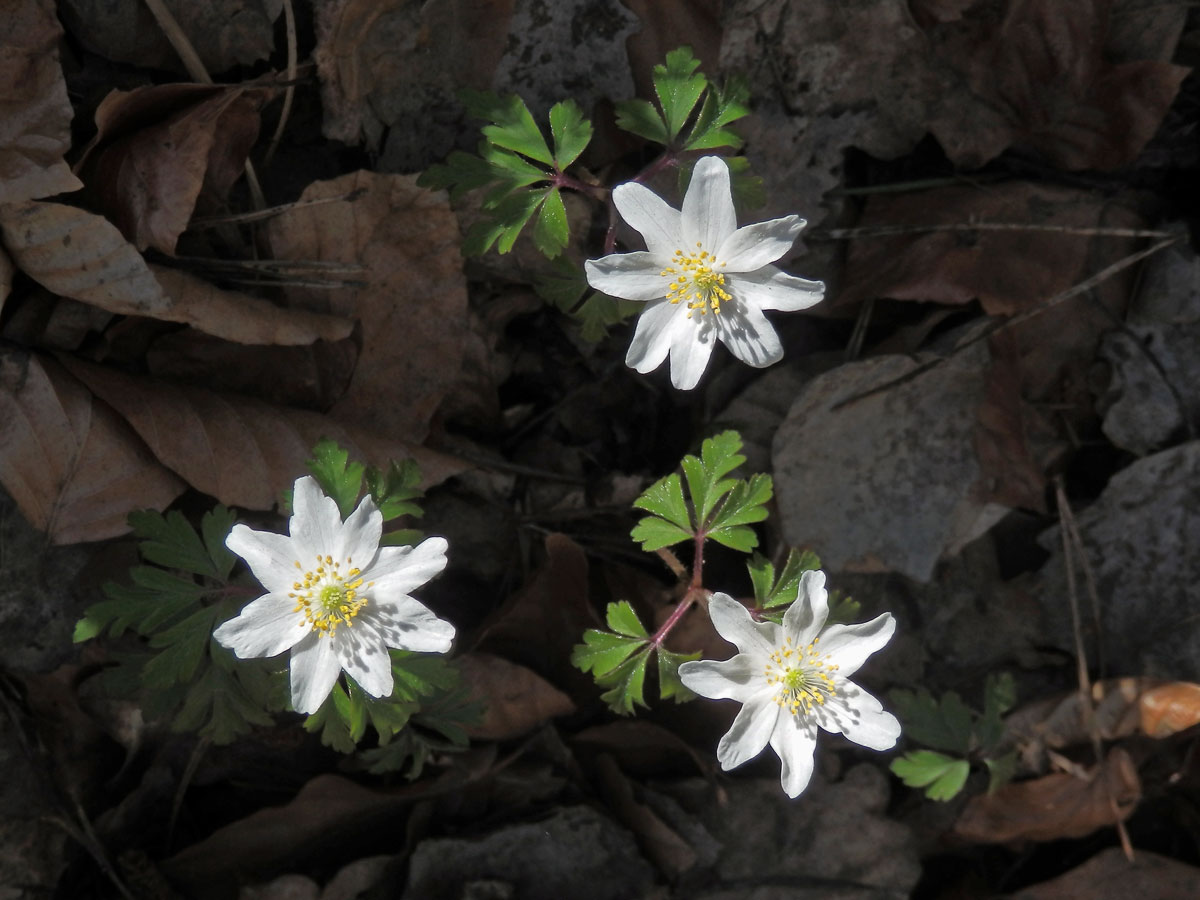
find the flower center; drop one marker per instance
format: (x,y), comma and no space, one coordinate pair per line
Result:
(695,279)
(327,597)
(804,677)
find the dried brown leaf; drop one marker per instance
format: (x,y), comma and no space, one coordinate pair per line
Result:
(667,24)
(35,114)
(1055,806)
(242,318)
(1170,708)
(74,468)
(643,748)
(516,700)
(1009,473)
(929,11)
(662,844)
(158,146)
(413,307)
(242,451)
(1110,875)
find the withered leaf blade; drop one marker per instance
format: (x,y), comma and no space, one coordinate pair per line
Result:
(1110,875)
(158,146)
(243,318)
(75,469)
(413,305)
(1054,806)
(516,699)
(35,114)
(242,451)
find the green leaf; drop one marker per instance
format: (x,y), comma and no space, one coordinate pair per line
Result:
(171,541)
(510,171)
(623,620)
(705,476)
(679,87)
(182,648)
(562,284)
(340,479)
(512,124)
(571,132)
(550,231)
(843,610)
(509,217)
(459,174)
(749,191)
(945,725)
(601,651)
(626,684)
(394,490)
(215,526)
(999,696)
(665,498)
(654,534)
(599,312)
(721,107)
(669,685)
(641,118)
(770,591)
(745,503)
(1001,770)
(942,776)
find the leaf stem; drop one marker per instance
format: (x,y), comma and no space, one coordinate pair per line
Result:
(694,592)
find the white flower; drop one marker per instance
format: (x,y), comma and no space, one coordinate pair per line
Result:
(792,680)
(698,261)
(335,598)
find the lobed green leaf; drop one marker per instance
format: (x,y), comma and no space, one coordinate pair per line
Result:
(626,684)
(942,776)
(602,652)
(338,477)
(641,118)
(679,87)
(571,132)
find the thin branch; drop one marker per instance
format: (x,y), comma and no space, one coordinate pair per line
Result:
(289,92)
(843,234)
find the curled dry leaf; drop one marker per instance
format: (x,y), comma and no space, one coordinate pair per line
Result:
(73,466)
(1055,806)
(242,318)
(1111,875)
(157,147)
(516,700)
(413,305)
(242,451)
(35,114)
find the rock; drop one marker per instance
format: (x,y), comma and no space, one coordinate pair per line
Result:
(575,853)
(1140,536)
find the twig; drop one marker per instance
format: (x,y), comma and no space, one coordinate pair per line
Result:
(1001,324)
(289,17)
(1070,528)
(201,222)
(185,779)
(842,234)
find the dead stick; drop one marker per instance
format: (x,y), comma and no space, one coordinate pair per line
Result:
(841,234)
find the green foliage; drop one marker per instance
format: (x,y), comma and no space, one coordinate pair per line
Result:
(618,660)
(942,776)
(771,591)
(394,490)
(343,718)
(520,170)
(949,724)
(679,88)
(721,507)
(564,285)
(180,673)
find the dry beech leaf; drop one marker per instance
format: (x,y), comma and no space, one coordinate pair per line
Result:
(516,700)
(82,256)
(413,307)
(242,318)
(1169,708)
(1110,875)
(1054,806)
(158,146)
(242,451)
(35,114)
(74,468)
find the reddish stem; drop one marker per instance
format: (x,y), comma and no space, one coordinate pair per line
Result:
(694,592)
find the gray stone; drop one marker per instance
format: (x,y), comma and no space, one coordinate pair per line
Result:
(890,482)
(1141,536)
(575,853)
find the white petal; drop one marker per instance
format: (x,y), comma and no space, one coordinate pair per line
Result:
(806,617)
(748,335)
(267,626)
(315,667)
(708,214)
(734,623)
(848,646)
(860,717)
(769,288)
(362,653)
(754,246)
(794,740)
(738,678)
(652,337)
(749,733)
(631,276)
(360,533)
(271,557)
(644,210)
(400,570)
(408,624)
(316,524)
(691,347)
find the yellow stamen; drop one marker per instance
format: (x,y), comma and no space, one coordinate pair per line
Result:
(326,597)
(697,281)
(805,677)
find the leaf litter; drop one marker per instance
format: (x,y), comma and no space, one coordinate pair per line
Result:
(348,312)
